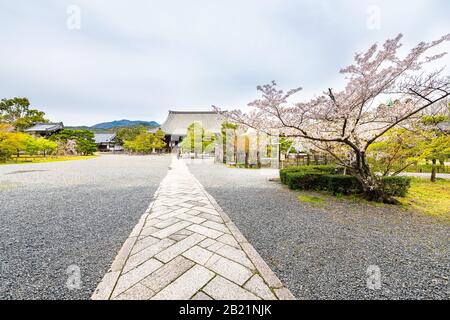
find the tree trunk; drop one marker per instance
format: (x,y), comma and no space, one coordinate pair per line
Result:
(235,148)
(258,154)
(224,148)
(433,170)
(372,186)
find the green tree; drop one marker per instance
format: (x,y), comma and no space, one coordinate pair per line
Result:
(159,141)
(435,144)
(129,133)
(196,134)
(35,145)
(86,146)
(46,146)
(287,145)
(31,145)
(129,146)
(142,143)
(146,142)
(10,142)
(399,149)
(17,112)
(228,126)
(84,140)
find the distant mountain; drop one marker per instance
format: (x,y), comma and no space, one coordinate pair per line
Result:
(124,123)
(108,127)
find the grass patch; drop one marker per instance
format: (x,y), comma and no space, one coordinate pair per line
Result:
(357,198)
(242,166)
(7,186)
(311,199)
(41,159)
(428,197)
(424,197)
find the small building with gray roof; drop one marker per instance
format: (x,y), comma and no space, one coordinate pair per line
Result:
(106,142)
(41,129)
(177,122)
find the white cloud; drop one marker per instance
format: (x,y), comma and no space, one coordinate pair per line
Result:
(138,59)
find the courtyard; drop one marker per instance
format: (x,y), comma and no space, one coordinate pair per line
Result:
(62,218)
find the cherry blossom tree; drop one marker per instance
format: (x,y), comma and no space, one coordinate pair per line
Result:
(345,123)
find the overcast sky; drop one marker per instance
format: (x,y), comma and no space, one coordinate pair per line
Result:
(138,59)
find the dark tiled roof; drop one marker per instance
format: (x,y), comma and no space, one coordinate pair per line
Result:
(104,137)
(45,127)
(177,122)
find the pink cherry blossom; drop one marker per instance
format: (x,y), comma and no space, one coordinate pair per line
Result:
(383,90)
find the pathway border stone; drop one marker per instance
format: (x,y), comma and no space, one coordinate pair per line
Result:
(186,247)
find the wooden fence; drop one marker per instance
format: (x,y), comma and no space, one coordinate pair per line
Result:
(305,160)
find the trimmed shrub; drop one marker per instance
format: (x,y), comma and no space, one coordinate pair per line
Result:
(329,169)
(312,178)
(342,184)
(284,172)
(303,180)
(320,169)
(396,186)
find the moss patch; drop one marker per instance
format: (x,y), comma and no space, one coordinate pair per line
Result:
(428,197)
(40,159)
(311,199)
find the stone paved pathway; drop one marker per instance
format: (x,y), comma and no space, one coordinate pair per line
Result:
(186,247)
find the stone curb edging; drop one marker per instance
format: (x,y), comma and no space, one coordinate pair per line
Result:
(107,285)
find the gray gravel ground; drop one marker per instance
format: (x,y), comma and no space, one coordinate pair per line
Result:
(54,215)
(323,251)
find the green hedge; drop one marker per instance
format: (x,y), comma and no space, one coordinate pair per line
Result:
(342,184)
(321,169)
(334,183)
(299,178)
(304,180)
(396,186)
